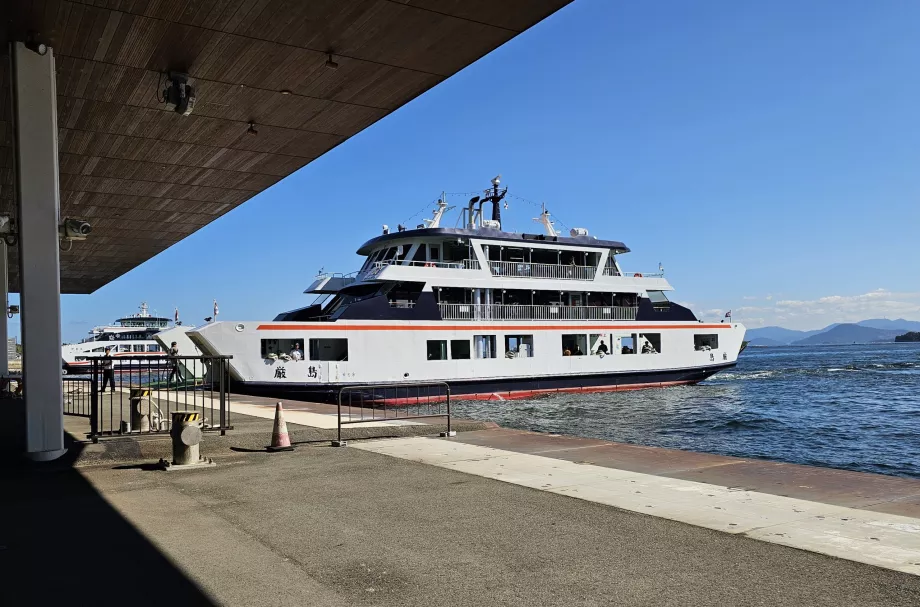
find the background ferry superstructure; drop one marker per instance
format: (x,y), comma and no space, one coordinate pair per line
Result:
(128,336)
(495,314)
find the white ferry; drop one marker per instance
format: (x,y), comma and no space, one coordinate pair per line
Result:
(495,314)
(128,336)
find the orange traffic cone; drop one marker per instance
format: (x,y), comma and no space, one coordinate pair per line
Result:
(280,439)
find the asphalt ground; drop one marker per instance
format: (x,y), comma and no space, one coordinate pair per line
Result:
(338,526)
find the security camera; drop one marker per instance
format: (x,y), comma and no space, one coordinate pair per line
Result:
(179,96)
(75,229)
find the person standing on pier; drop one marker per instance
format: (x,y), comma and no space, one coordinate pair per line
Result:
(173,354)
(108,371)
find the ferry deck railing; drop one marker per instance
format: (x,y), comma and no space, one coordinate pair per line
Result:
(608,271)
(395,402)
(456,311)
(138,395)
(523,269)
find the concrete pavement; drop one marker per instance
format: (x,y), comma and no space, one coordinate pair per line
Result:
(326,526)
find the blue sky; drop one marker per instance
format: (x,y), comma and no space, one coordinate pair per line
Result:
(765,153)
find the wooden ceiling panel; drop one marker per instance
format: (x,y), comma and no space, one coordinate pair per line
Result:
(146,177)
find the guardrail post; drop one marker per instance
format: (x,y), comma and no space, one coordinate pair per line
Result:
(94,402)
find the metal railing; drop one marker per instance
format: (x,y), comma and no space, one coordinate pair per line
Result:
(139,395)
(522,269)
(452,311)
(78,393)
(361,404)
(608,271)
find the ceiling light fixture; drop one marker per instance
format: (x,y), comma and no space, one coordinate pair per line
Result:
(252,129)
(285,92)
(332,65)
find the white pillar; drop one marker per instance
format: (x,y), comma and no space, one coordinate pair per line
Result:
(5,300)
(36,146)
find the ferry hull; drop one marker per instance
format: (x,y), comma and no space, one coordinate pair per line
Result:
(508,388)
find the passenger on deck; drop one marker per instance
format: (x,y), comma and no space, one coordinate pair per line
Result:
(296,352)
(602,348)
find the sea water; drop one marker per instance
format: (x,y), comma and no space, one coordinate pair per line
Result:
(855,407)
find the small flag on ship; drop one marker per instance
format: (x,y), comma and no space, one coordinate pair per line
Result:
(215,309)
(727,314)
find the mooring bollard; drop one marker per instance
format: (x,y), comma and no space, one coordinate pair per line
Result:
(140,420)
(186,438)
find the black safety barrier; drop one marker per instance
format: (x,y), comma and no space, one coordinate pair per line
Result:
(363,403)
(132,395)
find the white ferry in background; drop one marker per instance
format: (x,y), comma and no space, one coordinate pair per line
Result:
(495,314)
(128,336)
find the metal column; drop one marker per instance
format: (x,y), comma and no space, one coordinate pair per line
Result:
(5,300)
(36,146)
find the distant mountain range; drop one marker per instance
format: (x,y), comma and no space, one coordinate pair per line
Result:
(866,331)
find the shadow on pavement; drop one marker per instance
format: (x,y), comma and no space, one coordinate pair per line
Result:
(62,543)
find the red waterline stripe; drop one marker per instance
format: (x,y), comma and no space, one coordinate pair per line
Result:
(521,394)
(327,327)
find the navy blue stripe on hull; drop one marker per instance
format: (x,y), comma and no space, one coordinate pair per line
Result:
(504,386)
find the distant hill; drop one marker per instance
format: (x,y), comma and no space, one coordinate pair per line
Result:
(848,334)
(909,336)
(764,342)
(895,325)
(780,336)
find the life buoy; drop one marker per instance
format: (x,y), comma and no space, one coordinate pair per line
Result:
(637,275)
(429,265)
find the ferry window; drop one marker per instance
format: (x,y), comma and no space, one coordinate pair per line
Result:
(485,346)
(138,347)
(329,349)
(460,348)
(434,253)
(627,343)
(153,348)
(98,349)
(518,346)
(659,302)
(574,345)
(389,254)
(437,349)
(600,343)
(419,254)
(274,348)
(124,348)
(705,342)
(650,343)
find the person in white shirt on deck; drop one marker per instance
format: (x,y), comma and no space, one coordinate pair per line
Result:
(296,352)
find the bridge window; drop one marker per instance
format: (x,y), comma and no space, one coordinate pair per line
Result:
(485,346)
(329,349)
(98,349)
(650,343)
(437,349)
(659,302)
(706,342)
(518,346)
(460,349)
(574,344)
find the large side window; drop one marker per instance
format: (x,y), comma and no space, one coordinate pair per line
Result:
(518,346)
(706,342)
(124,348)
(460,349)
(575,344)
(650,343)
(153,348)
(138,347)
(437,349)
(485,346)
(275,348)
(329,349)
